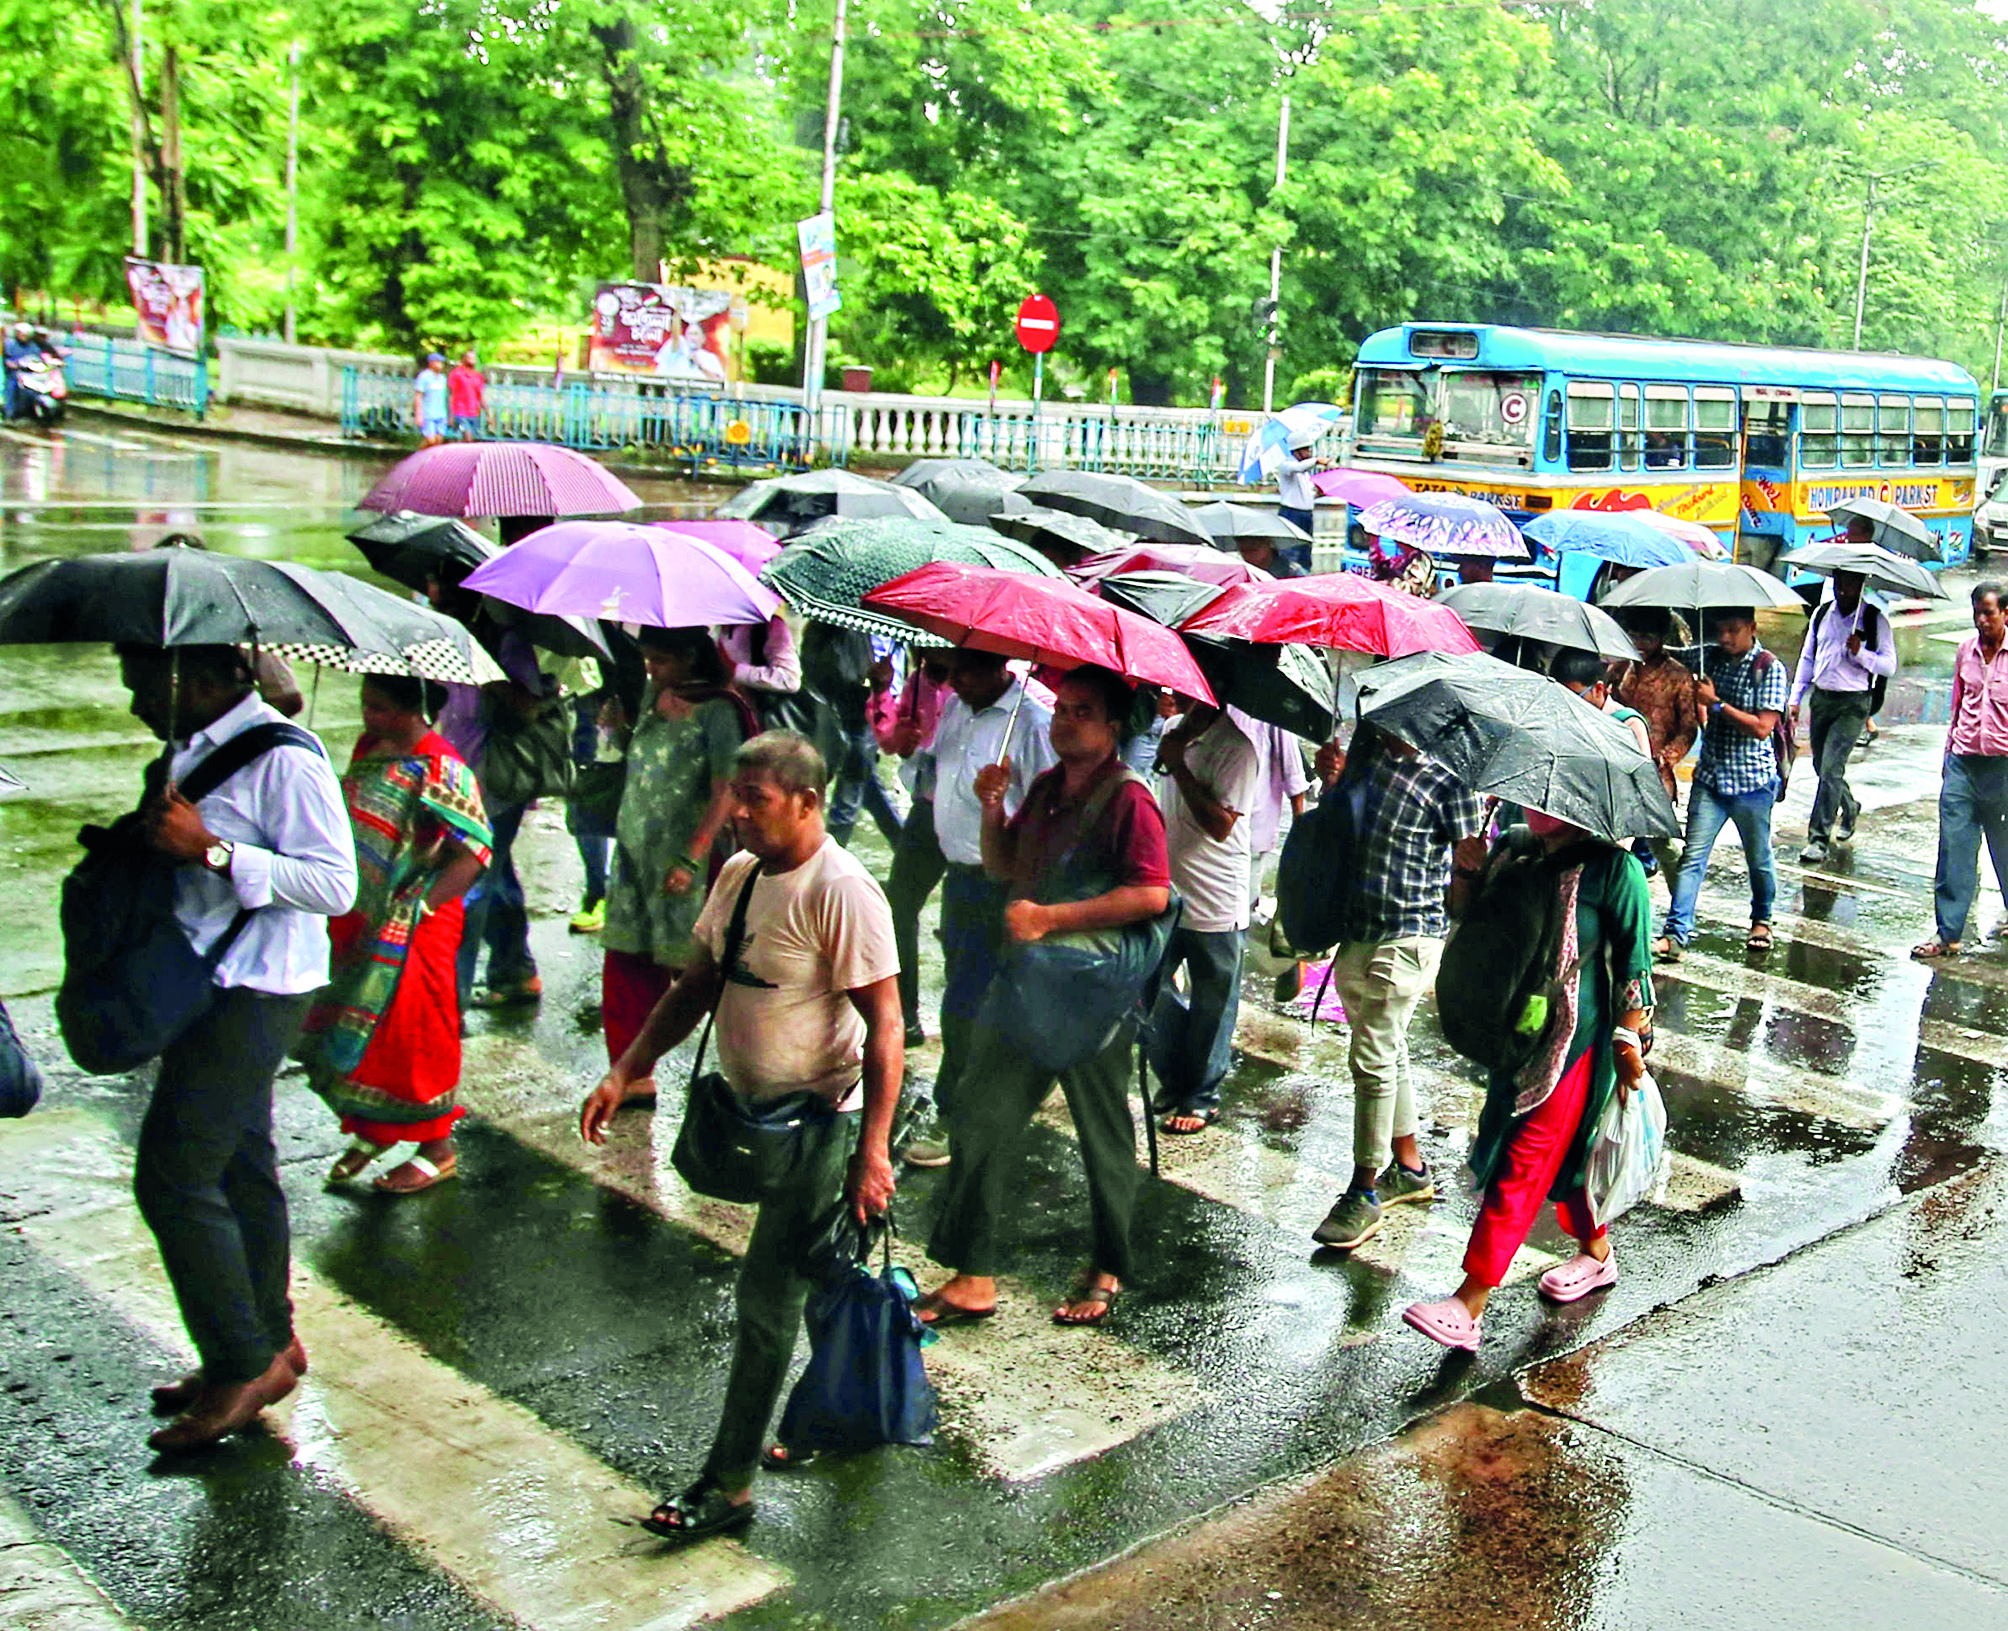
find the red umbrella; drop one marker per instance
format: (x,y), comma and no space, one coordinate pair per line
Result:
(1204,565)
(1045,620)
(500,478)
(1340,610)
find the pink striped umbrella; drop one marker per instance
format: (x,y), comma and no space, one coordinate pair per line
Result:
(751,545)
(500,478)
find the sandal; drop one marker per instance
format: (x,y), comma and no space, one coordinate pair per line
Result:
(429,1174)
(937,1311)
(1759,938)
(779,1458)
(1935,948)
(1668,950)
(350,1163)
(700,1511)
(1205,1118)
(1104,1295)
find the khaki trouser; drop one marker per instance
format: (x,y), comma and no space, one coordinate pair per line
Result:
(1380,983)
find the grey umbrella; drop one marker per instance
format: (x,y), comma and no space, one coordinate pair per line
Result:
(1892,573)
(970,491)
(1700,585)
(1523,737)
(1895,527)
(1229,523)
(1117,501)
(1527,611)
(1057,528)
(793,502)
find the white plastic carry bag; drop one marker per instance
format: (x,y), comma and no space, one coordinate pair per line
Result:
(1629,1157)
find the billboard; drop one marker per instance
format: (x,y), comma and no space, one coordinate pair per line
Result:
(669,333)
(168,301)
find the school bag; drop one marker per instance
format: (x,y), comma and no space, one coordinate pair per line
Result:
(1315,873)
(1784,734)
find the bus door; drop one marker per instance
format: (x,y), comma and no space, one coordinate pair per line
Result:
(1764,522)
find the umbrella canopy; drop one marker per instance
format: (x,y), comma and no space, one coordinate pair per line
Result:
(1521,736)
(10,784)
(827,573)
(1691,533)
(1895,527)
(1700,585)
(410,548)
(1528,611)
(1296,426)
(1059,529)
(970,491)
(1447,524)
(751,546)
(1044,620)
(1341,611)
(1116,501)
(1362,489)
(625,574)
(500,478)
(1894,574)
(793,502)
(1609,535)
(1230,523)
(1203,565)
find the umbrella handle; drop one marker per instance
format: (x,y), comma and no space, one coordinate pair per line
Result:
(1011,724)
(313,696)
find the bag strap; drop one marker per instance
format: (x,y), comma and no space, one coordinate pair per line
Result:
(735,937)
(223,762)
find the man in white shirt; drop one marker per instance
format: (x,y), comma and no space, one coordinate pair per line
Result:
(1296,498)
(1212,774)
(808,1007)
(271,845)
(969,736)
(1847,660)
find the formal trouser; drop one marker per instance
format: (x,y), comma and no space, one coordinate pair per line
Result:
(498,912)
(207,1181)
(1708,812)
(856,785)
(1298,554)
(1972,804)
(1380,983)
(986,1128)
(917,866)
(769,1297)
(1192,1042)
(972,940)
(1838,718)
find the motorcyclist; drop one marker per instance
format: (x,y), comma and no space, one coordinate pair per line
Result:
(20,347)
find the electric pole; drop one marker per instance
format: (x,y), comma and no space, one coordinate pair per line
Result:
(138,135)
(1276,266)
(1868,227)
(292,188)
(815,351)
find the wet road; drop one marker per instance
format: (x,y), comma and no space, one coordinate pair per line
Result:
(507,1370)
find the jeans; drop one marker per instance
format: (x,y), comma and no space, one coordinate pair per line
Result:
(1707,812)
(1838,718)
(207,1181)
(856,786)
(1972,801)
(1380,984)
(497,912)
(917,866)
(770,1296)
(1192,1042)
(1300,554)
(593,855)
(972,939)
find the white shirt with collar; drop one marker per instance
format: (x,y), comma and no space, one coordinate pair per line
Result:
(965,742)
(292,866)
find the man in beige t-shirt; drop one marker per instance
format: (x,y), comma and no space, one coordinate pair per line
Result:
(810,1005)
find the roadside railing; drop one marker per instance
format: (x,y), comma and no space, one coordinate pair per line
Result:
(127,371)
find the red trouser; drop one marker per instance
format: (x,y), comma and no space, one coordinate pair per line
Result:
(630,987)
(1534,1156)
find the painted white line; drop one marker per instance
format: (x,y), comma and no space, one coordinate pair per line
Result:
(1764,1080)
(42,1588)
(517,1513)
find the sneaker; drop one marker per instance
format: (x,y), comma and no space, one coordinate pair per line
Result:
(508,996)
(1813,854)
(1354,1219)
(1845,832)
(1398,1184)
(926,1152)
(590,919)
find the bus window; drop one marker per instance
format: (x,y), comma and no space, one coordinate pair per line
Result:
(1592,425)
(1714,428)
(1997,428)
(1496,410)
(1551,429)
(1959,433)
(1893,430)
(1858,424)
(1767,433)
(1631,446)
(1819,445)
(1665,427)
(1927,437)
(1392,401)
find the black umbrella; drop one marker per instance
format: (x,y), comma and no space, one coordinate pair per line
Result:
(1049,529)
(410,548)
(970,491)
(1117,501)
(1527,611)
(1523,737)
(1700,585)
(793,502)
(1882,568)
(1230,523)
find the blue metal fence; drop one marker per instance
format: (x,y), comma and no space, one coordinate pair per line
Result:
(127,371)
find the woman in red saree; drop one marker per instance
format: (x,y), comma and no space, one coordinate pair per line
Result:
(383,1044)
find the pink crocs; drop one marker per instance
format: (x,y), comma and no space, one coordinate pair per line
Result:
(1574,1280)
(1445,1322)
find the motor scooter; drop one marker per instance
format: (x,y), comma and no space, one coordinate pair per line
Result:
(41,388)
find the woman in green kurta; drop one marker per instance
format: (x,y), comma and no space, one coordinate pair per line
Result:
(672,810)
(1534,1134)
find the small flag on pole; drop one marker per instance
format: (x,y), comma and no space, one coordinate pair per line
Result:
(1112,387)
(996,373)
(1219,392)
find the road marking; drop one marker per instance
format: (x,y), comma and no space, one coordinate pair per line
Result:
(1766,1080)
(1024,1395)
(517,1513)
(42,1588)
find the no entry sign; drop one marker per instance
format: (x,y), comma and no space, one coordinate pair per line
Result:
(1038,324)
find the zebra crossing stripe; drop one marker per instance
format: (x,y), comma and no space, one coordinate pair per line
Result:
(41,1588)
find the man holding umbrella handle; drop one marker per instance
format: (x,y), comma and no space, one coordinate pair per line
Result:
(1848,655)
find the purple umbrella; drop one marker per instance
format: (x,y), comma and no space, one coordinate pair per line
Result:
(1447,524)
(1360,488)
(752,546)
(625,574)
(500,478)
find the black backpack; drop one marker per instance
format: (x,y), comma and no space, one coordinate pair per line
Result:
(1496,992)
(131,981)
(1315,873)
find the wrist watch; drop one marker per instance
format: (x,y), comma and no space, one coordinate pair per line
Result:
(217,856)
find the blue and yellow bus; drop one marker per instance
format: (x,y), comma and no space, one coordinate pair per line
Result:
(1753,442)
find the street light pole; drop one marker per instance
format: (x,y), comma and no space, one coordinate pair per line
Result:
(816,349)
(292,189)
(1276,267)
(1868,227)
(138,136)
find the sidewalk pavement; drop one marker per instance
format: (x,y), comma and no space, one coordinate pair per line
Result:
(1819,1444)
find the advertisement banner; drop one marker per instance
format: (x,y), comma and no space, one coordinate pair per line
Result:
(669,333)
(168,300)
(819,264)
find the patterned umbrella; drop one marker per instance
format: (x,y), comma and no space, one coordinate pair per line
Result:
(1895,574)
(1362,489)
(624,574)
(1699,585)
(1531,611)
(827,573)
(793,502)
(1295,426)
(967,490)
(1202,565)
(500,478)
(1229,523)
(1058,529)
(1117,501)
(1447,524)
(1612,536)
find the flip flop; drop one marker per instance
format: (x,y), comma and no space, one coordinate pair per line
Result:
(779,1458)
(350,1164)
(1103,1295)
(946,1313)
(1668,950)
(1933,949)
(1760,938)
(1205,1118)
(699,1512)
(1446,1322)
(1574,1280)
(429,1171)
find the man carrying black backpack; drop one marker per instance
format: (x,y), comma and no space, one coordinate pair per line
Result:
(1845,667)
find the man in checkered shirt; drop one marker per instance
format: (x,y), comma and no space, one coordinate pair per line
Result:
(1419,822)
(1742,696)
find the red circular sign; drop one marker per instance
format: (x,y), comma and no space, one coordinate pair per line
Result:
(1038,324)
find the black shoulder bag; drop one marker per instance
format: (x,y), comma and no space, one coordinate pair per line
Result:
(730,1147)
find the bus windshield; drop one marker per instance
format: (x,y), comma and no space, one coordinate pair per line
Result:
(1480,410)
(1996,446)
